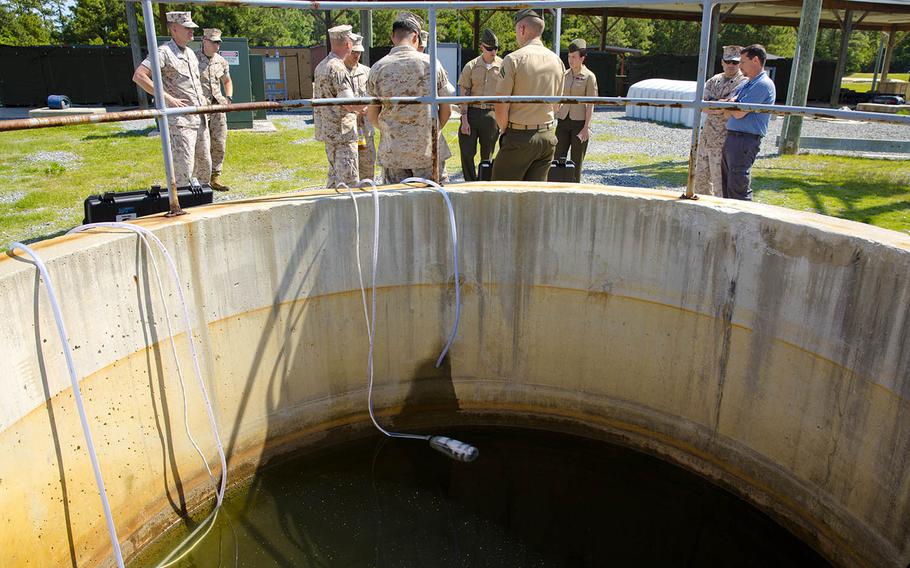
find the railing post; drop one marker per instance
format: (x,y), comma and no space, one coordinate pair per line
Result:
(163,130)
(435,128)
(706,33)
(557,30)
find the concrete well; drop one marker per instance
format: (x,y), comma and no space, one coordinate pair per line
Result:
(766,349)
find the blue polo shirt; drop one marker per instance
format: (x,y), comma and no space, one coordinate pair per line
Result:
(759,90)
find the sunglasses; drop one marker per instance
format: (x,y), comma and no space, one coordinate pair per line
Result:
(487,48)
(731,62)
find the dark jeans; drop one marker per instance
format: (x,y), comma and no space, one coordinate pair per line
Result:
(483,129)
(567,137)
(740,150)
(524,155)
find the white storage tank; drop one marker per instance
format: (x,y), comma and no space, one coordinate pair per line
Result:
(662,89)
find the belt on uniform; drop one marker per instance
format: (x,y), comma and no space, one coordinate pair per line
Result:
(745,134)
(481,106)
(537,127)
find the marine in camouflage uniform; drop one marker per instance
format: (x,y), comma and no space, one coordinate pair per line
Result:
(336,126)
(213,72)
(405,147)
(366,143)
(708,175)
(189,135)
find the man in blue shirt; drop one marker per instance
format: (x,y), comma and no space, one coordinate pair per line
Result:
(745,130)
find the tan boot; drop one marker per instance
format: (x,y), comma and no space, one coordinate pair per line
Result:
(216,185)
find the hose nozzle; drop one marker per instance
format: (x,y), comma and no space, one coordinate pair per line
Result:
(454,449)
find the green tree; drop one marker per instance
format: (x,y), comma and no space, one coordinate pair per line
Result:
(97,22)
(30,22)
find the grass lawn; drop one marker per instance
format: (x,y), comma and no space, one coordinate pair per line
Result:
(860,189)
(896,76)
(46,174)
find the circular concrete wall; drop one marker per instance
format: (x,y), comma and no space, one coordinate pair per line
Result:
(763,348)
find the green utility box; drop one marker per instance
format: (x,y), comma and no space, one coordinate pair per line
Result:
(236,50)
(257,78)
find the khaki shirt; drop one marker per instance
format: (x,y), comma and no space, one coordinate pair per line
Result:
(180,79)
(480,78)
(332,80)
(532,70)
(718,87)
(359,76)
(584,84)
(211,71)
(406,140)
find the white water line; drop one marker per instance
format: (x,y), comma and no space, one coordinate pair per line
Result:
(144,234)
(453,448)
(77,394)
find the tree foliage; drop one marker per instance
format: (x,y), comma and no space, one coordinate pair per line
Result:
(103,22)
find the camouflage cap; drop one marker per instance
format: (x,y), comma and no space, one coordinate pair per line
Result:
(212,34)
(731,52)
(525,13)
(489,38)
(577,44)
(340,32)
(182,18)
(408,20)
(358,42)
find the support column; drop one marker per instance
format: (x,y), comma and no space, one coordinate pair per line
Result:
(603,30)
(889,52)
(557,30)
(366,30)
(133,25)
(846,30)
(327,14)
(712,47)
(476,28)
(706,33)
(800,74)
(162,17)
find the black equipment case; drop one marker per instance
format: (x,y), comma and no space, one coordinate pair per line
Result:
(561,170)
(126,205)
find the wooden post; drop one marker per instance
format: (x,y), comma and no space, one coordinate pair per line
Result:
(476,43)
(889,52)
(603,30)
(133,25)
(162,17)
(800,74)
(366,30)
(327,14)
(846,30)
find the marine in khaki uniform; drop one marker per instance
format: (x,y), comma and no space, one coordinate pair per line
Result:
(405,147)
(708,176)
(574,127)
(189,134)
(366,144)
(215,73)
(478,120)
(444,151)
(528,142)
(336,126)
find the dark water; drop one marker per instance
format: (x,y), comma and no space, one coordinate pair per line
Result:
(531,499)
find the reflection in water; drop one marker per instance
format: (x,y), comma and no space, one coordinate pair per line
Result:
(531,499)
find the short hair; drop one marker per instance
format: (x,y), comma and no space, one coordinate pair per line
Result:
(582,51)
(401,30)
(536,24)
(755,50)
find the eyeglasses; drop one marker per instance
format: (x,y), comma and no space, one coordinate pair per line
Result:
(488,48)
(731,62)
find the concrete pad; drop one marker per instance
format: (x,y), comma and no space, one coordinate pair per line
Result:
(72,111)
(875,107)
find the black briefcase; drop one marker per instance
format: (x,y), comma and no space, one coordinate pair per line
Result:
(485,170)
(562,170)
(126,205)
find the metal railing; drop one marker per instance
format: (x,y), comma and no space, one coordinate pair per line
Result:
(161,112)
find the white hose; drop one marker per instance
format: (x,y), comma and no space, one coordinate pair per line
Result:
(445,195)
(77,394)
(144,235)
